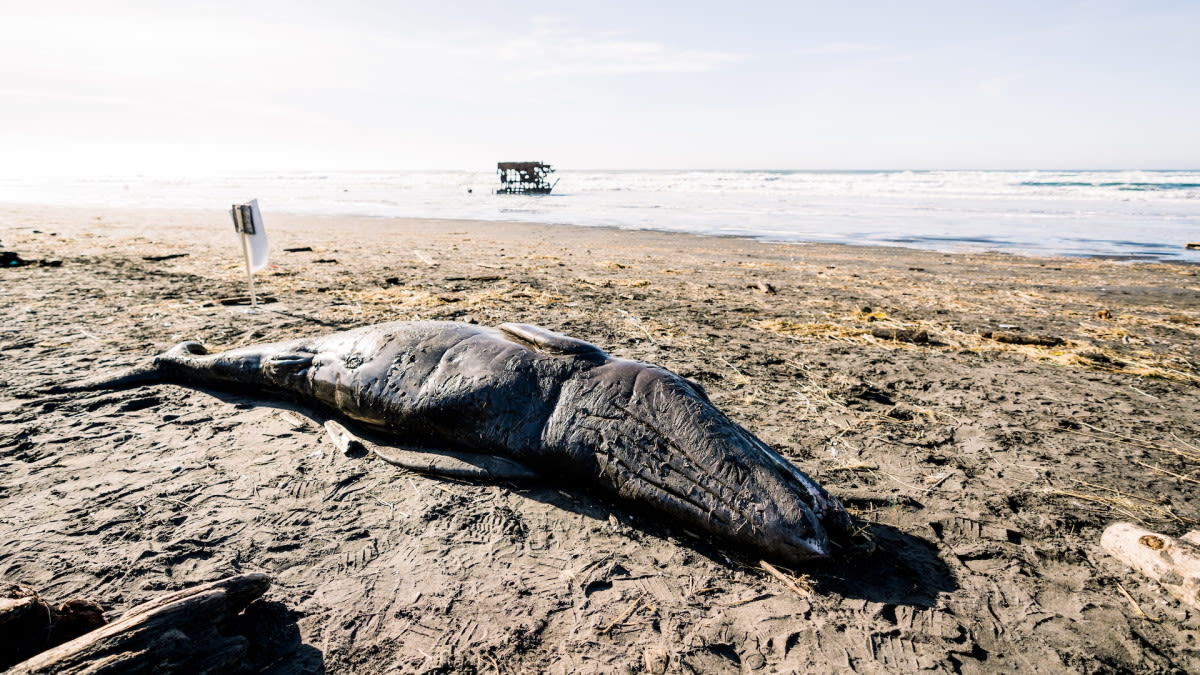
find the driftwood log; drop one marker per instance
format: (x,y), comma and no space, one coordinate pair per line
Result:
(29,624)
(191,631)
(1174,563)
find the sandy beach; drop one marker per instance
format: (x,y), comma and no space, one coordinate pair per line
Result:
(984,416)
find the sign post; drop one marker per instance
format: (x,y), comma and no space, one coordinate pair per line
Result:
(247,222)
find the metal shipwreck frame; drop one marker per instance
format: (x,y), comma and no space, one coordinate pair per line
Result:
(525,178)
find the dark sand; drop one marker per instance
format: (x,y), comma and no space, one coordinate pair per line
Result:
(984,471)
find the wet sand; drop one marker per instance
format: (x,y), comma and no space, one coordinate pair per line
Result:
(984,470)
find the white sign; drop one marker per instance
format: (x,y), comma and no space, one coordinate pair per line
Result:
(247,221)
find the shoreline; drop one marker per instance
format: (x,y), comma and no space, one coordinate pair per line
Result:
(402,222)
(984,468)
(968,245)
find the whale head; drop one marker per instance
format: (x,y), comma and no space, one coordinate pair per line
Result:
(655,438)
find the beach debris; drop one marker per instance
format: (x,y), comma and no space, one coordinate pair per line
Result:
(31,624)
(343,440)
(609,283)
(187,631)
(624,615)
(1104,314)
(763,287)
(11,259)
(1023,339)
(1097,357)
(525,178)
(245,300)
(326,261)
(298,249)
(856,466)
(1173,563)
(424,258)
(656,660)
(913,335)
(295,422)
(801,585)
(1192,245)
(160,258)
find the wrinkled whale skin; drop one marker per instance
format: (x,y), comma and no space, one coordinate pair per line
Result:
(559,406)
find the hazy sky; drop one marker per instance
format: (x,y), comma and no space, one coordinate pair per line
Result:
(172,87)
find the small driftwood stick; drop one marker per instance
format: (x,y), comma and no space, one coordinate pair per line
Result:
(349,444)
(179,632)
(787,581)
(625,615)
(1023,339)
(1173,563)
(913,335)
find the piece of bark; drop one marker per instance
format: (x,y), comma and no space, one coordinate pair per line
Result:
(179,632)
(1173,563)
(346,442)
(1023,339)
(901,334)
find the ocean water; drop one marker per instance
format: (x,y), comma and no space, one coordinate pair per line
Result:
(1125,214)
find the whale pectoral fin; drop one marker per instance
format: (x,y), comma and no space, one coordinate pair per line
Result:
(287,363)
(547,340)
(454,464)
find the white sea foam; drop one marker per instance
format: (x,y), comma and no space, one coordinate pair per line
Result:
(1139,214)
